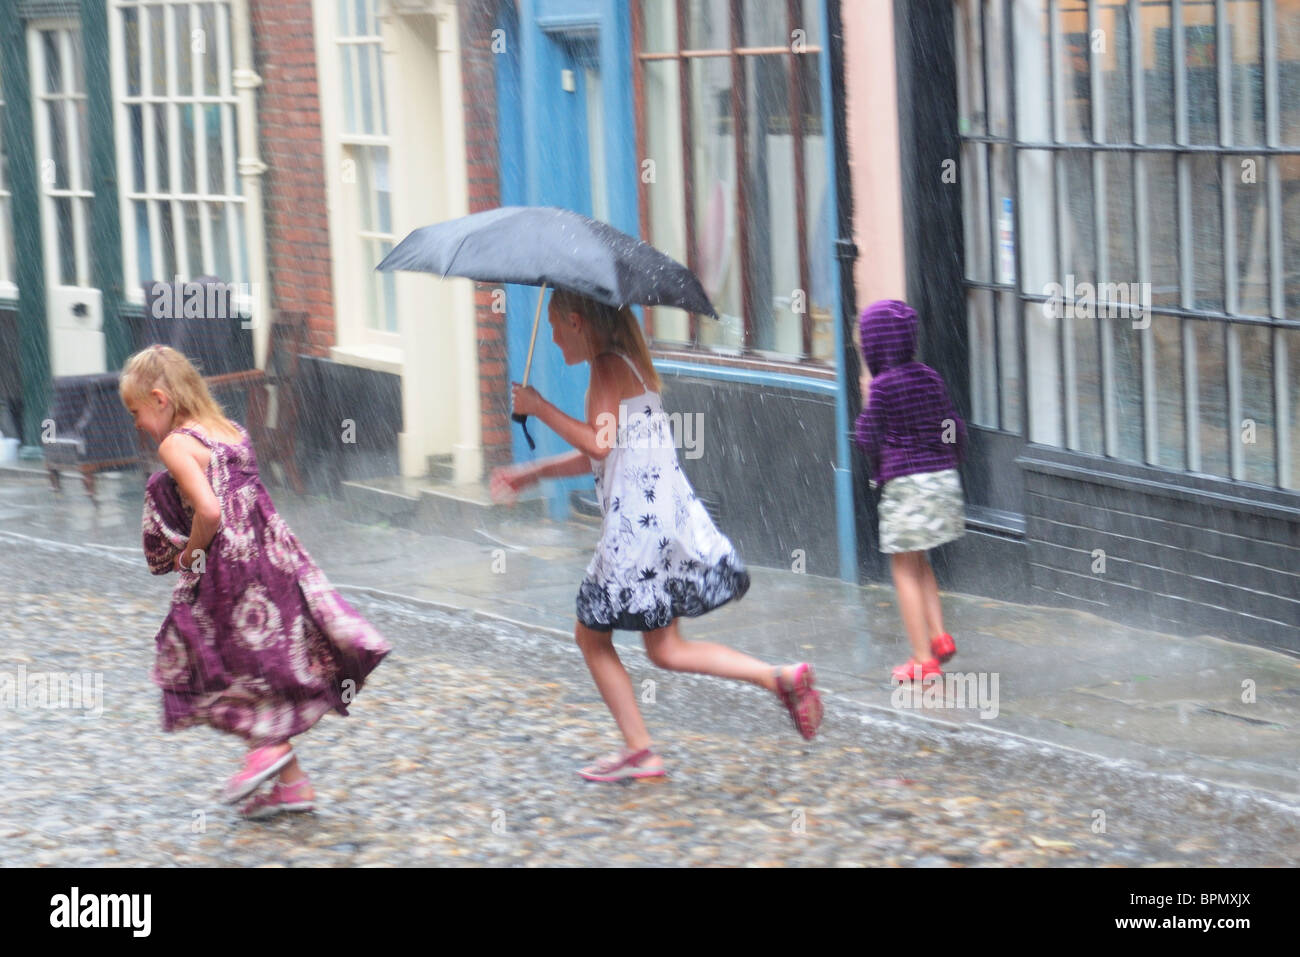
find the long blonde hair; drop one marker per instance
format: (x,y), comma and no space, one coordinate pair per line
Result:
(162,367)
(616,329)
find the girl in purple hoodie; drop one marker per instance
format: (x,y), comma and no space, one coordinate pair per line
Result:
(914,440)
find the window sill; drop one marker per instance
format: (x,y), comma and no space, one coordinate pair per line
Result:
(814,369)
(376,358)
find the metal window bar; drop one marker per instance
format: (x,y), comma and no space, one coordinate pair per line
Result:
(1277,298)
(1186,280)
(1102,328)
(1013,130)
(994,240)
(1142,238)
(1065,323)
(1228,196)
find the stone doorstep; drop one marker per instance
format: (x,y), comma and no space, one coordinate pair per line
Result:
(433,506)
(18,470)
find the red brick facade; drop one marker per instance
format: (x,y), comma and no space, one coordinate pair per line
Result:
(478,80)
(295,205)
(296,202)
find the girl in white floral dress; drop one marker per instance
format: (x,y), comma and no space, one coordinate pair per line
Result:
(256,643)
(660,556)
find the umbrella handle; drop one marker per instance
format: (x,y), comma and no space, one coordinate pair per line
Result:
(528,366)
(523,421)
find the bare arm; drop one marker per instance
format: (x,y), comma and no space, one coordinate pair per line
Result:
(563,466)
(179,453)
(603,396)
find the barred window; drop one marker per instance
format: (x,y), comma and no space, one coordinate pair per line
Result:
(183,209)
(1131,195)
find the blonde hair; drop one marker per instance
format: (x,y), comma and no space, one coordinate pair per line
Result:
(616,328)
(162,367)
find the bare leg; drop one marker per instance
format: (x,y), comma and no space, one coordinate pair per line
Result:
(668,649)
(909,583)
(614,685)
(933,608)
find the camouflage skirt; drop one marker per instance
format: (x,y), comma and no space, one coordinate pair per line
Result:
(921,511)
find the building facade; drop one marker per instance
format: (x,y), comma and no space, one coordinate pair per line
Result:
(282,148)
(1119,319)
(708,128)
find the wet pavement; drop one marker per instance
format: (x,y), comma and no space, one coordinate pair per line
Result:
(462,748)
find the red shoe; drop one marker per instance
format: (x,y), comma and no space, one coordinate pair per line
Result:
(258,766)
(623,765)
(915,670)
(801,699)
(942,647)
(282,798)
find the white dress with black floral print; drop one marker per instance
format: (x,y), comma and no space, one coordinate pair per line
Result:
(660,556)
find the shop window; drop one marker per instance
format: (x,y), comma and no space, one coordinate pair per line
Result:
(733,178)
(1133,231)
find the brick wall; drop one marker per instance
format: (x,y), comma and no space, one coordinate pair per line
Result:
(478,78)
(296,208)
(1175,553)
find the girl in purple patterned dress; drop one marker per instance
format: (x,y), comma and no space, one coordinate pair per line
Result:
(257,643)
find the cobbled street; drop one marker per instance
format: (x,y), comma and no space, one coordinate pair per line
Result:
(462,750)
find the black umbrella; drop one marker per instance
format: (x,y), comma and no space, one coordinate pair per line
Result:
(547,246)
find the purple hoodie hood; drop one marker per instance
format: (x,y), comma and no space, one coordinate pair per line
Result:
(888,333)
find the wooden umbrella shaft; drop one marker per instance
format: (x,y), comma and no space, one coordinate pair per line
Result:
(537,318)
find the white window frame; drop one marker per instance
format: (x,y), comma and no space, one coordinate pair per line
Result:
(359,326)
(359,340)
(239,201)
(77,193)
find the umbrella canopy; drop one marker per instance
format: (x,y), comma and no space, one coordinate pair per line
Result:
(545,245)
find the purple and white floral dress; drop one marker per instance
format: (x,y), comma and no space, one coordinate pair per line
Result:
(258,643)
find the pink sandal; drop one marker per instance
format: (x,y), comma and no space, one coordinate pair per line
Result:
(801,699)
(623,765)
(281,798)
(258,766)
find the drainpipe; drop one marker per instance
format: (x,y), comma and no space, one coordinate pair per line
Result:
(250,168)
(467,452)
(839,183)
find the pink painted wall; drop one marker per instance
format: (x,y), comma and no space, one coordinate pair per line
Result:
(872,108)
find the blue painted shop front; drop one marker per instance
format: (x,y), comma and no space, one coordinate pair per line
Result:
(552,93)
(567,137)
